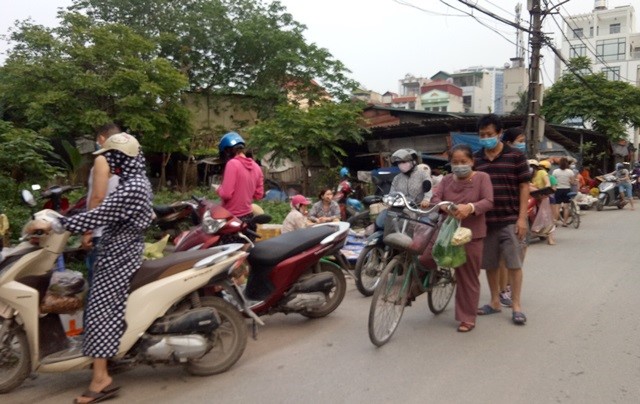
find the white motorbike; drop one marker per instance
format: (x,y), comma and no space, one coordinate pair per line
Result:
(167,320)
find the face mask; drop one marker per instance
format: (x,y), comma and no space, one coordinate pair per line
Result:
(461,171)
(489,142)
(520,146)
(405,166)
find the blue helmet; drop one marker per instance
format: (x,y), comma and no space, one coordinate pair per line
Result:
(344,172)
(231,139)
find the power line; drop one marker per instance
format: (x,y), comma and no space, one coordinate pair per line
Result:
(407,4)
(494,16)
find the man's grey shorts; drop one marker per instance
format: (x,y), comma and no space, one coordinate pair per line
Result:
(502,242)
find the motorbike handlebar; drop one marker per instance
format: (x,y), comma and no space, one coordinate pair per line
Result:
(252,233)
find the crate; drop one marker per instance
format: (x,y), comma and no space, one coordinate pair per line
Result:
(267,231)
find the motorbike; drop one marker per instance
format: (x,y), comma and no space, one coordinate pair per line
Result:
(168,318)
(290,274)
(56,200)
(171,219)
(609,194)
(216,222)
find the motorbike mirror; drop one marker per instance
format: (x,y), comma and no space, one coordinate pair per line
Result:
(261,219)
(28,198)
(36,187)
(426,186)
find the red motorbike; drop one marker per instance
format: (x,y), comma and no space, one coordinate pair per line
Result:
(171,219)
(56,200)
(215,223)
(289,274)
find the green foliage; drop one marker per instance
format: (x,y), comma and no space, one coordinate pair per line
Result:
(299,135)
(610,106)
(22,155)
(73,78)
(520,107)
(277,210)
(245,47)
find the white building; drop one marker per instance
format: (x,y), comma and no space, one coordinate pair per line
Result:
(516,82)
(609,39)
(482,88)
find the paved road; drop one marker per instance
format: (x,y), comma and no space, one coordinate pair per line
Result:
(580,344)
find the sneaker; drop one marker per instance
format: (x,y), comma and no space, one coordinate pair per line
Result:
(505,299)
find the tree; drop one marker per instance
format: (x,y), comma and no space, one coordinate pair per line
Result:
(66,81)
(232,47)
(22,155)
(305,136)
(610,106)
(520,106)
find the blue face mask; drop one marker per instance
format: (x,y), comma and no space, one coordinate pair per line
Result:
(520,146)
(489,142)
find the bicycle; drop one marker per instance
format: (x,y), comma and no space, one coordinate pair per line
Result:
(574,211)
(404,278)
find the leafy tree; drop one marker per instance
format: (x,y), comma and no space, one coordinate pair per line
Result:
(232,46)
(80,75)
(610,106)
(22,155)
(307,136)
(520,106)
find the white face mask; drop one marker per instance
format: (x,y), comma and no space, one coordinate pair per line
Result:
(405,166)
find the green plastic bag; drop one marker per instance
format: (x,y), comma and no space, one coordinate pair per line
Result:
(445,254)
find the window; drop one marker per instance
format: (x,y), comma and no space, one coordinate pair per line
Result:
(611,49)
(614,28)
(578,33)
(591,32)
(611,73)
(427,109)
(443,109)
(578,50)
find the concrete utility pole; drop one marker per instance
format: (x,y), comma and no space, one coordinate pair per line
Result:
(534,126)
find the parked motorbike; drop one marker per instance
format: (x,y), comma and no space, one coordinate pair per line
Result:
(55,199)
(168,320)
(216,222)
(289,274)
(609,194)
(172,218)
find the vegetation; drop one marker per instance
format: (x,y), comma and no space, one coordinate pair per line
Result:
(610,106)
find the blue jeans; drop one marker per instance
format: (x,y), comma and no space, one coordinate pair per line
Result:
(625,189)
(90,262)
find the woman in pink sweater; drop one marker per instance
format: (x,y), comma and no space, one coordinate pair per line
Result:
(472,193)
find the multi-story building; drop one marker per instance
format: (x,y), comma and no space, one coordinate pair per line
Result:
(482,88)
(441,96)
(516,81)
(410,85)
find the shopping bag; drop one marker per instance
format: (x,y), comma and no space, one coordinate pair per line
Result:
(65,293)
(543,223)
(444,253)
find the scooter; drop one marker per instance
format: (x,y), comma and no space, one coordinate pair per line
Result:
(609,194)
(168,321)
(56,200)
(288,273)
(171,218)
(216,222)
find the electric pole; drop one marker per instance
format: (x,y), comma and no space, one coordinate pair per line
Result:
(533,127)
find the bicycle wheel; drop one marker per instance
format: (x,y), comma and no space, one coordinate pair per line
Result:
(368,268)
(575,214)
(570,217)
(441,284)
(388,302)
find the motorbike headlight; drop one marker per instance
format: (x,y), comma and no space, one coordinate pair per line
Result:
(393,200)
(211,225)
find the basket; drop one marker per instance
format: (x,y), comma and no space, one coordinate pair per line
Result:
(420,229)
(267,231)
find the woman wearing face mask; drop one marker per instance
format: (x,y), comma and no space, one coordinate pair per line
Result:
(514,138)
(411,178)
(472,193)
(297,217)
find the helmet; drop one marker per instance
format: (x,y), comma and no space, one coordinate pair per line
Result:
(231,139)
(545,164)
(619,166)
(344,172)
(123,142)
(533,162)
(299,200)
(403,155)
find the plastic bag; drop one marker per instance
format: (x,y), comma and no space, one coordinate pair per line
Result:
(543,223)
(461,236)
(65,293)
(444,253)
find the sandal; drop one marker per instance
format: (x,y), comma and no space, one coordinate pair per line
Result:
(466,327)
(518,318)
(486,310)
(96,397)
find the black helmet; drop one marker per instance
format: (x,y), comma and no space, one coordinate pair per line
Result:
(403,155)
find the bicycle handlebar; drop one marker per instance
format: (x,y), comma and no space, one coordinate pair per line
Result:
(399,195)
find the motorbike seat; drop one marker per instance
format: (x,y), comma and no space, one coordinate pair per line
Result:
(270,252)
(152,270)
(162,210)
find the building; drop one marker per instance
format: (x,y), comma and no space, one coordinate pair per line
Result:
(482,88)
(516,81)
(441,96)
(368,96)
(609,39)
(410,85)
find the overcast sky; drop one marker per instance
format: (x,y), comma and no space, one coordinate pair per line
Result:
(382,40)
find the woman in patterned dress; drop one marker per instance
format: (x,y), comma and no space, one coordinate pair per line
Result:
(125,214)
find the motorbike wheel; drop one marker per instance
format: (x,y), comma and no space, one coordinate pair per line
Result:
(388,303)
(334,297)
(599,206)
(441,284)
(360,220)
(368,268)
(15,359)
(227,341)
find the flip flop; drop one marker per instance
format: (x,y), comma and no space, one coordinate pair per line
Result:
(487,309)
(97,397)
(518,318)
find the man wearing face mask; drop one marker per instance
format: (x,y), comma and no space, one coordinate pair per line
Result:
(411,178)
(507,221)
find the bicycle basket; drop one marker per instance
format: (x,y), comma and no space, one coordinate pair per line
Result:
(419,229)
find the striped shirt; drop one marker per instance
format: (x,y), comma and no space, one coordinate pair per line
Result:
(507,171)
